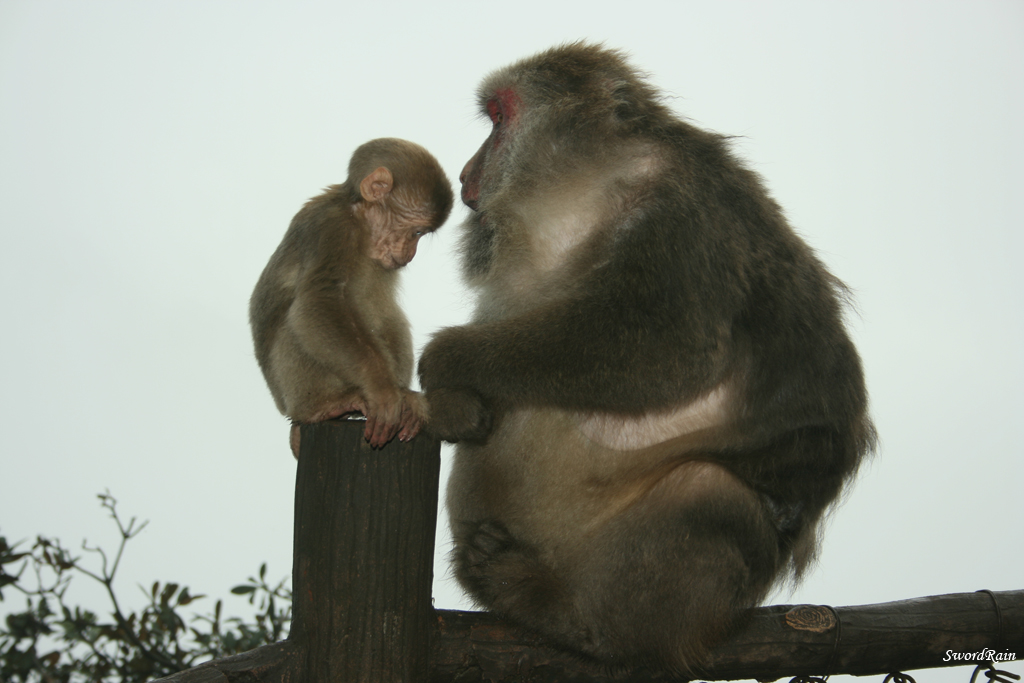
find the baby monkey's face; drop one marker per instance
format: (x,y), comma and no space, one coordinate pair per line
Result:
(396,226)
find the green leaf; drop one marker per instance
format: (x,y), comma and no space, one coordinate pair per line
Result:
(7,559)
(184,598)
(167,592)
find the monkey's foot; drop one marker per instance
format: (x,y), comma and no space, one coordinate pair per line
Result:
(484,544)
(508,577)
(497,569)
(414,415)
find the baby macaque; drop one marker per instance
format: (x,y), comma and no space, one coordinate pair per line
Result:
(329,335)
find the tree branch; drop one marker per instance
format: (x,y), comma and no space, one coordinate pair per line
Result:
(775,642)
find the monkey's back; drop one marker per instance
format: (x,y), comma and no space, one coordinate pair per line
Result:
(321,255)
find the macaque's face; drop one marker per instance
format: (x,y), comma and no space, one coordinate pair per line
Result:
(396,227)
(502,110)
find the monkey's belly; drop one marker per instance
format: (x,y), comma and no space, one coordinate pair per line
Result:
(627,433)
(550,484)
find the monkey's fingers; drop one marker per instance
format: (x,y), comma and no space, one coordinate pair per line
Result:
(411,424)
(371,430)
(368,432)
(379,432)
(409,431)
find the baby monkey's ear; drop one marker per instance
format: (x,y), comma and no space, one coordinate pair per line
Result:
(377,185)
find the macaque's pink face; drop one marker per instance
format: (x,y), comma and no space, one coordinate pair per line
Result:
(501,110)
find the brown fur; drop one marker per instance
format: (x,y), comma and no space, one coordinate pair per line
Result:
(329,335)
(656,399)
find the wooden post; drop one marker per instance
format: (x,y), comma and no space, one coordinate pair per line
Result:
(362,568)
(364,555)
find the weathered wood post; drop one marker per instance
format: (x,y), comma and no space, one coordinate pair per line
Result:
(364,555)
(362,567)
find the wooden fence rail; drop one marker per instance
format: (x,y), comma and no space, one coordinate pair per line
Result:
(362,610)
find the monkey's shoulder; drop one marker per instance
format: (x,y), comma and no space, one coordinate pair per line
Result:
(325,218)
(321,234)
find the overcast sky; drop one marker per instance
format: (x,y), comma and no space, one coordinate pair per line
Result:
(152,155)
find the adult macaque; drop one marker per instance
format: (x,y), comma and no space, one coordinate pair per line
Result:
(329,336)
(656,399)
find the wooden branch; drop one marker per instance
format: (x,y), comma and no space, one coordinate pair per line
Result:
(274,663)
(776,642)
(362,613)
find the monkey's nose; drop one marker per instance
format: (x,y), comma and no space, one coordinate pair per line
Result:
(469,200)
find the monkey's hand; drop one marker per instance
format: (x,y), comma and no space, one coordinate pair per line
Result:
(414,414)
(383,410)
(452,358)
(448,375)
(458,415)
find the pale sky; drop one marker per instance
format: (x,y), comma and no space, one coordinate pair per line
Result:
(152,155)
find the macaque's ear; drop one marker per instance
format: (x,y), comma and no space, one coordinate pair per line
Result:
(377,185)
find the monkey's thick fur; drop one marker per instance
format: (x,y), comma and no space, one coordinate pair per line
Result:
(329,334)
(657,399)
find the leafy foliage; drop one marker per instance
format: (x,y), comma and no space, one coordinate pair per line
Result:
(51,641)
